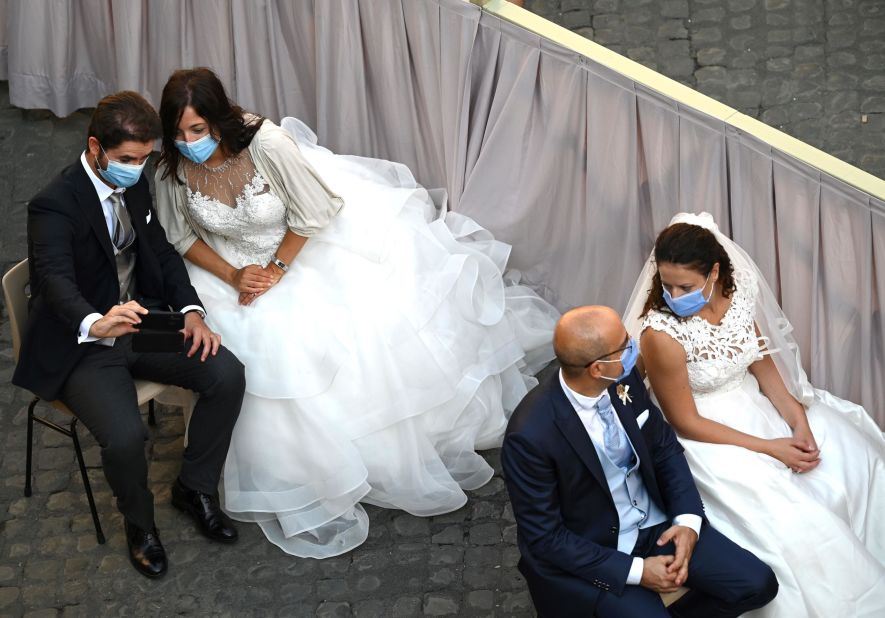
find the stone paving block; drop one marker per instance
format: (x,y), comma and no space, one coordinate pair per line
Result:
(439,605)
(485,534)
(453,535)
(334,610)
(8,596)
(42,613)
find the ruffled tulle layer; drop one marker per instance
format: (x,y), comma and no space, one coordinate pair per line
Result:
(390,352)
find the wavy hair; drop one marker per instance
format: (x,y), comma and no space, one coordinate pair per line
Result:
(201,89)
(694,247)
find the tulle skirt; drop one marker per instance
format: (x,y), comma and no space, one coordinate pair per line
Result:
(393,349)
(822,532)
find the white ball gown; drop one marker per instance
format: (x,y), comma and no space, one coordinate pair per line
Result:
(822,532)
(392,350)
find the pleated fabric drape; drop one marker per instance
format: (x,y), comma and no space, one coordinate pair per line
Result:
(573,164)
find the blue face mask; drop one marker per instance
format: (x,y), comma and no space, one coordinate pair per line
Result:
(120,174)
(200,150)
(628,360)
(688,304)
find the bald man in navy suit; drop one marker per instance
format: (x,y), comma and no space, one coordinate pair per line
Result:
(608,515)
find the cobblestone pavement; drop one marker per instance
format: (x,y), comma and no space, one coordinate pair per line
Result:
(813,68)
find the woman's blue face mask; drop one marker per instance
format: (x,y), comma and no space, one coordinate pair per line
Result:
(627,360)
(691,303)
(199,150)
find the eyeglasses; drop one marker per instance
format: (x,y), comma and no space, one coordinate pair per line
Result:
(627,343)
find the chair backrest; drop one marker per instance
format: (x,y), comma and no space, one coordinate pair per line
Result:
(15,293)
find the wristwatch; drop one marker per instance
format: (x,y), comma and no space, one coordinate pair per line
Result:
(279,264)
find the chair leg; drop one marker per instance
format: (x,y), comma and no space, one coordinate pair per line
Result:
(99,535)
(30,451)
(152,419)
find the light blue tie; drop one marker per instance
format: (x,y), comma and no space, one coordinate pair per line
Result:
(614,439)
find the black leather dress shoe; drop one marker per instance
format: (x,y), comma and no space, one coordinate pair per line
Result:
(206,512)
(146,553)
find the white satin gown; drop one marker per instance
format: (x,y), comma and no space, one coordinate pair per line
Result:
(393,349)
(822,532)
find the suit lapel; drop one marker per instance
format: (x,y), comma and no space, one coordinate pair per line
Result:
(628,419)
(85,195)
(575,433)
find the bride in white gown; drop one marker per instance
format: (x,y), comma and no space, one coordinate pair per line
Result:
(385,351)
(790,472)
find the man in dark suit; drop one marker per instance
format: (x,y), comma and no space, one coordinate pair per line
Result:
(607,512)
(98,260)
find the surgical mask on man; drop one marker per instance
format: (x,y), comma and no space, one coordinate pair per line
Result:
(691,303)
(120,174)
(199,150)
(628,360)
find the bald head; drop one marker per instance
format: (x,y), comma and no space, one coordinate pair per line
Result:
(584,334)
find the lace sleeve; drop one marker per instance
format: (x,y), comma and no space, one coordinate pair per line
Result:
(171,200)
(668,324)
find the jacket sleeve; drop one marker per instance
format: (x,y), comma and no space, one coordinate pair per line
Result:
(532,484)
(51,233)
(310,203)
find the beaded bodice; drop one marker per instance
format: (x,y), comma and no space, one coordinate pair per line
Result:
(234,202)
(717,356)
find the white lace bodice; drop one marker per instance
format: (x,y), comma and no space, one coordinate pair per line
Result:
(250,229)
(717,356)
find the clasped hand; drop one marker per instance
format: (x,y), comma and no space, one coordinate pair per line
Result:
(667,573)
(799,453)
(252,281)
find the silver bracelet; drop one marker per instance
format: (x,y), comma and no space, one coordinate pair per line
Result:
(279,264)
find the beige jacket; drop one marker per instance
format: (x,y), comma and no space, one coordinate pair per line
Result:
(310,203)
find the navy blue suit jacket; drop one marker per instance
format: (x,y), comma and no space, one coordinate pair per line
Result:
(567,523)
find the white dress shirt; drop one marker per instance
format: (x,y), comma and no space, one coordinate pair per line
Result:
(104,196)
(585,407)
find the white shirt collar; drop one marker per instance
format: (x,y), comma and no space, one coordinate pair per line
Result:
(579,402)
(103,191)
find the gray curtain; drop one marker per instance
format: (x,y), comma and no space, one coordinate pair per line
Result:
(574,165)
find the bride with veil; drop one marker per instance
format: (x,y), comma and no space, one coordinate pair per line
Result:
(786,470)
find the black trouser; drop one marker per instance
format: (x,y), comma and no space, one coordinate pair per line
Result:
(101,393)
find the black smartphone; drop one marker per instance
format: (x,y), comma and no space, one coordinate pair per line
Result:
(158,341)
(164,321)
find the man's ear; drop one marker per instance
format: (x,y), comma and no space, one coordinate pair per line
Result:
(93,146)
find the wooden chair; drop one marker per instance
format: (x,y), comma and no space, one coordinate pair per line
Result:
(16,294)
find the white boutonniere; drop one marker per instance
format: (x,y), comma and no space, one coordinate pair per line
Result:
(624,394)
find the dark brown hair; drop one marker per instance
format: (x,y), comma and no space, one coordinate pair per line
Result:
(124,117)
(201,89)
(694,247)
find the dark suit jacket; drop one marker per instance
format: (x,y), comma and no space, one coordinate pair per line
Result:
(73,273)
(567,524)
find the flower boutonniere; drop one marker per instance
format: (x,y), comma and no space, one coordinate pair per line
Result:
(624,394)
